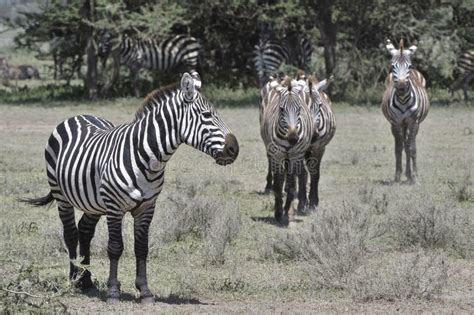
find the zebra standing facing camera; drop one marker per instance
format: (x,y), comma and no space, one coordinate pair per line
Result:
(405,104)
(286,127)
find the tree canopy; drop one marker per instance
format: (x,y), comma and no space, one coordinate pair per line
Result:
(348,35)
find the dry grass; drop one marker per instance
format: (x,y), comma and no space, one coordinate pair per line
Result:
(432,226)
(416,275)
(352,246)
(334,244)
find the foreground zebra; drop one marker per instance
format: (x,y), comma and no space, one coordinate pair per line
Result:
(466,67)
(179,52)
(405,104)
(324,130)
(286,127)
(269,54)
(106,170)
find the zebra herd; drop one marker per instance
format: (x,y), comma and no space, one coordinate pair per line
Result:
(177,53)
(107,170)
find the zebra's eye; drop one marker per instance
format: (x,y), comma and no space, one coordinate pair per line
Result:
(206,115)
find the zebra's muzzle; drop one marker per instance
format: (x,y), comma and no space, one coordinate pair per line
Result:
(230,151)
(292,136)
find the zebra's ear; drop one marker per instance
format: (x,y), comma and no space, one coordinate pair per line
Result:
(197,79)
(324,84)
(412,49)
(187,86)
(391,49)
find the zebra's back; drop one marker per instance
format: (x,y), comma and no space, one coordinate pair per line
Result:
(171,53)
(325,124)
(81,155)
(466,61)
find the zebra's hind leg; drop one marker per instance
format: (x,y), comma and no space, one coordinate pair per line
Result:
(86,227)
(397,134)
(141,225)
(269,186)
(314,167)
(114,251)
(70,233)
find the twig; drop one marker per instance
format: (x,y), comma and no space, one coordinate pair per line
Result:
(23,292)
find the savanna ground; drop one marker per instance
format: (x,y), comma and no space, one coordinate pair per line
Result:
(373,246)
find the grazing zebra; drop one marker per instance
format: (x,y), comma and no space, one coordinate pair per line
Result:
(466,67)
(405,105)
(106,170)
(286,128)
(270,54)
(178,52)
(324,130)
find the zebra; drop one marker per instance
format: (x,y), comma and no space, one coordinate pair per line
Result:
(270,54)
(177,52)
(324,130)
(466,67)
(405,105)
(286,128)
(105,170)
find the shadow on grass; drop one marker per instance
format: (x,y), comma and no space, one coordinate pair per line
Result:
(102,295)
(177,300)
(272,221)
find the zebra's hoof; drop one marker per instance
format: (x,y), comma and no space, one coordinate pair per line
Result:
(267,191)
(112,300)
(283,220)
(147,300)
(113,295)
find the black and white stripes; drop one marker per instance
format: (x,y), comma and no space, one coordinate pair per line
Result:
(286,127)
(178,52)
(106,170)
(466,73)
(269,54)
(405,105)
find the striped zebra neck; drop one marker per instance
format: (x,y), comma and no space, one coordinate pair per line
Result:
(404,100)
(159,120)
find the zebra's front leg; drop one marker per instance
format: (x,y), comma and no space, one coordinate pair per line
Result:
(278,180)
(70,234)
(290,186)
(86,227)
(302,194)
(141,225)
(136,82)
(411,152)
(114,251)
(397,134)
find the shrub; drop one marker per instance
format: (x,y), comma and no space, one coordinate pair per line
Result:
(462,191)
(193,214)
(431,225)
(415,275)
(333,244)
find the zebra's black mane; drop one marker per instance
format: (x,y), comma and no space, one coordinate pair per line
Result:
(153,98)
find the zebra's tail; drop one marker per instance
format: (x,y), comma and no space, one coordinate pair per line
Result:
(37,202)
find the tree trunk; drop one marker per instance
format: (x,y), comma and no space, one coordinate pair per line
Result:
(90,83)
(328,34)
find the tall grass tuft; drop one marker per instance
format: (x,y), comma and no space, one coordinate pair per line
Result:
(333,244)
(419,274)
(430,225)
